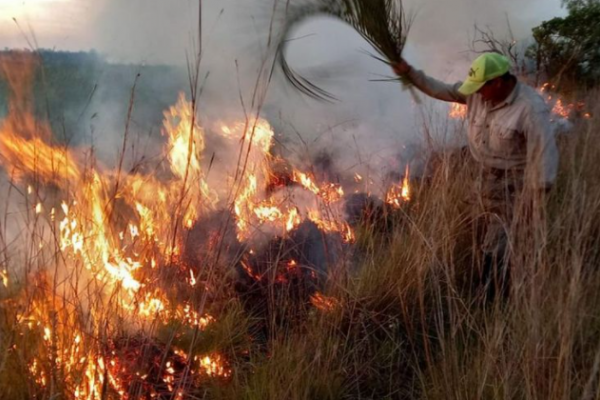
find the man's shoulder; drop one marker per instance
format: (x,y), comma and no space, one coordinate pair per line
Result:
(530,99)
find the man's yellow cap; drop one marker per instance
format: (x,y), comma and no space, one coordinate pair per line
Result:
(486,67)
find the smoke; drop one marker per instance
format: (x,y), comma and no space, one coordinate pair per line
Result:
(441,35)
(371,130)
(372,121)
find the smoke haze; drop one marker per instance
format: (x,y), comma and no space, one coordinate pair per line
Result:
(372,121)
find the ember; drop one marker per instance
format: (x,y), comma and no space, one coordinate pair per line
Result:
(324,303)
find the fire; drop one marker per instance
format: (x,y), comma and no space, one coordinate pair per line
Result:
(213,365)
(293,219)
(458,111)
(268,213)
(184,149)
(329,193)
(406,185)
(112,229)
(151,307)
(560,108)
(67,350)
(244,207)
(323,302)
(330,225)
(50,164)
(399,194)
(4,277)
(119,240)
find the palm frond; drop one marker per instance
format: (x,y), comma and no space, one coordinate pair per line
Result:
(382,23)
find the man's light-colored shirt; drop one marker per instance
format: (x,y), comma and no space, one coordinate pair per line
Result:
(515,134)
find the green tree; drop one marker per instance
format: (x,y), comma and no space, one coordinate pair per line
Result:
(576,4)
(567,49)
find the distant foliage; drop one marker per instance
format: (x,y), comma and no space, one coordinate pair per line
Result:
(567,50)
(577,4)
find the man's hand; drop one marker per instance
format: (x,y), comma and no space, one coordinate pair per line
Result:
(401,68)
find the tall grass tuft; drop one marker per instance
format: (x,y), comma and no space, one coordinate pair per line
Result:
(384,24)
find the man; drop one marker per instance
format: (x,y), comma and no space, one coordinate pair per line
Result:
(511,138)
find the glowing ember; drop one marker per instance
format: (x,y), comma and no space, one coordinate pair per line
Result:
(323,302)
(214,366)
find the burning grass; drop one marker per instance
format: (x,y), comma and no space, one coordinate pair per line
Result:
(278,284)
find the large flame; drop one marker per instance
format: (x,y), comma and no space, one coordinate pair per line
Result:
(122,232)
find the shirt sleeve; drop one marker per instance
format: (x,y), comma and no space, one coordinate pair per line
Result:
(436,89)
(542,152)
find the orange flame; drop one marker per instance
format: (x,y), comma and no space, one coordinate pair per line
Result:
(214,365)
(329,193)
(120,231)
(458,111)
(559,107)
(399,194)
(323,302)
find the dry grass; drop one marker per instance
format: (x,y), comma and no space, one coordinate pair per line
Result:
(406,324)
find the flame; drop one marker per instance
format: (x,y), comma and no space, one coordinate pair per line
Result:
(293,219)
(323,302)
(332,226)
(329,192)
(184,149)
(117,260)
(67,349)
(213,365)
(122,233)
(405,193)
(268,213)
(34,156)
(401,193)
(4,277)
(458,111)
(559,107)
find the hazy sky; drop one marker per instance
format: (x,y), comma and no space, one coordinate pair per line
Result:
(150,31)
(158,30)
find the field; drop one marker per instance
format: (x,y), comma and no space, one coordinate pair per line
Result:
(186,276)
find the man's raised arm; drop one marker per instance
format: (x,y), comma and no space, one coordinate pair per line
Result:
(431,87)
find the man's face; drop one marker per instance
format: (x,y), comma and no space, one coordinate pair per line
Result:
(491,90)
